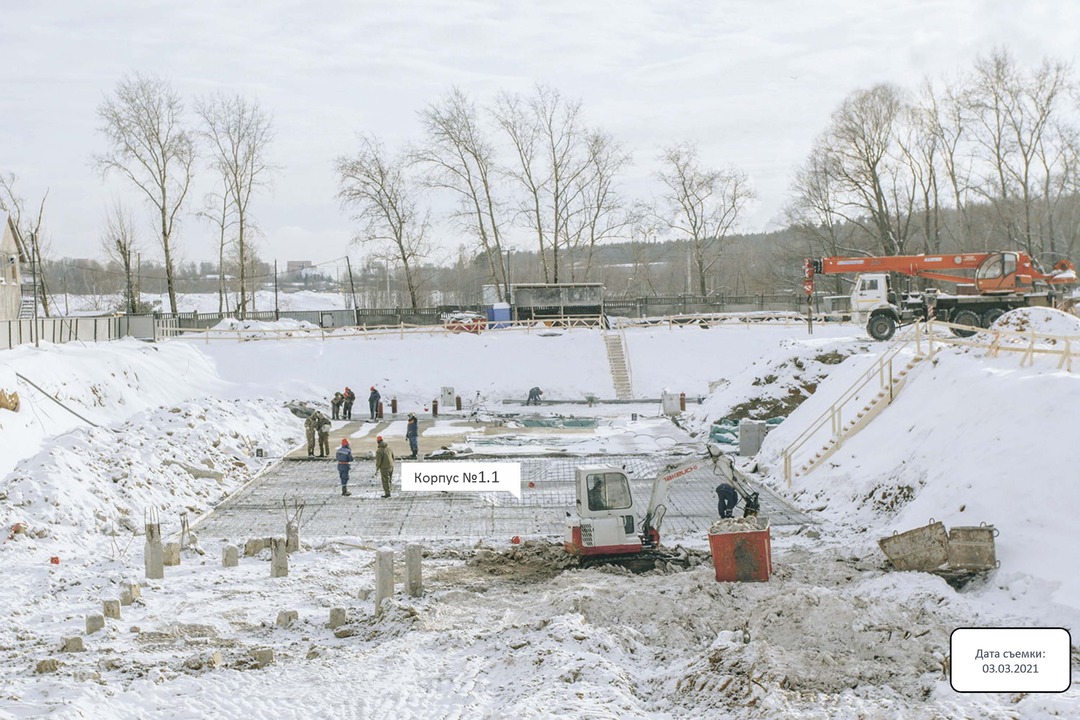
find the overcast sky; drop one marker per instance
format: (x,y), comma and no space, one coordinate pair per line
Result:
(752,82)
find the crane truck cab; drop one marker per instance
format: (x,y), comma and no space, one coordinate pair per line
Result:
(873,300)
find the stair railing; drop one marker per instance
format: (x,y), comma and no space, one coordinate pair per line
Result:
(882,371)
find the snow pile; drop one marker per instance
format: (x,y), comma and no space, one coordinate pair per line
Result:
(185,458)
(257,328)
(777,383)
(1047,325)
(969,440)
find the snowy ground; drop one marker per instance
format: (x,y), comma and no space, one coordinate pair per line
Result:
(509,631)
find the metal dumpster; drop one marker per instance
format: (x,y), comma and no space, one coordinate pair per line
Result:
(924,548)
(972,548)
(741,549)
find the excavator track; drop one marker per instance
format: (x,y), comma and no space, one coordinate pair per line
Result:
(646,561)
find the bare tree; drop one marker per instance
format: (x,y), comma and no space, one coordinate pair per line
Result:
(120,244)
(460,158)
(549,141)
(815,215)
(1013,125)
(149,147)
(944,116)
(239,133)
(643,240)
(218,210)
(703,205)
(601,213)
(377,187)
(29,238)
(876,188)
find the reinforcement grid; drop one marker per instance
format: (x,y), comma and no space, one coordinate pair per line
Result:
(260,508)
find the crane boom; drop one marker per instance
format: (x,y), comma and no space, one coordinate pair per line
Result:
(1007,271)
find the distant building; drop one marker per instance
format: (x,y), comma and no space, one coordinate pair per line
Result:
(12,256)
(294,267)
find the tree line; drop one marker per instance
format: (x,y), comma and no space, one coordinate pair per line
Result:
(986,159)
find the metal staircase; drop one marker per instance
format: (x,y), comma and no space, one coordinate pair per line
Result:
(26,308)
(871,393)
(615,342)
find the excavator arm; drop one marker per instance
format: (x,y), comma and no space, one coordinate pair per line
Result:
(654,515)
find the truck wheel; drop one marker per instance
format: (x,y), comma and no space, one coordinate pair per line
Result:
(964,317)
(881,327)
(990,316)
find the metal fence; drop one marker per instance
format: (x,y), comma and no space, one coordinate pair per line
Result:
(153,327)
(82,329)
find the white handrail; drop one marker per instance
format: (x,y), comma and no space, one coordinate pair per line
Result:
(882,370)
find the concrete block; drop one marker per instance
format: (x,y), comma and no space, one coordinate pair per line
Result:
(262,656)
(292,537)
(153,553)
(669,403)
(204,660)
(130,592)
(279,558)
(72,644)
(111,609)
(94,623)
(254,546)
(384,577)
(48,665)
(338,617)
(172,553)
(230,556)
(154,560)
(414,581)
(751,435)
(286,618)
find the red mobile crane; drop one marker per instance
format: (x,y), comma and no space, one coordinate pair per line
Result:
(1002,281)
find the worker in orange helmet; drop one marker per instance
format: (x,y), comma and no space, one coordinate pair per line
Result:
(344,459)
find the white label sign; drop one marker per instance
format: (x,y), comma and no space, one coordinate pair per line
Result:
(462,477)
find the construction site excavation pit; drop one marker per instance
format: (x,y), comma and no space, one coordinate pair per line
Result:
(547,450)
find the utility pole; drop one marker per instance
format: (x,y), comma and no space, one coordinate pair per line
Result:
(33,273)
(352,291)
(277,313)
(508,295)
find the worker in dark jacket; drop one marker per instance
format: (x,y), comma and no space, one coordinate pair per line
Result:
(412,428)
(335,405)
(322,427)
(346,405)
(344,458)
(727,498)
(534,396)
(373,402)
(311,425)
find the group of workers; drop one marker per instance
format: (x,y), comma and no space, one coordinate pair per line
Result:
(384,464)
(342,402)
(317,427)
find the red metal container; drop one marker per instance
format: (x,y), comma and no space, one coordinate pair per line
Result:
(741,555)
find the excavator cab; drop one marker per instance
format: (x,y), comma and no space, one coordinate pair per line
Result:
(605,520)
